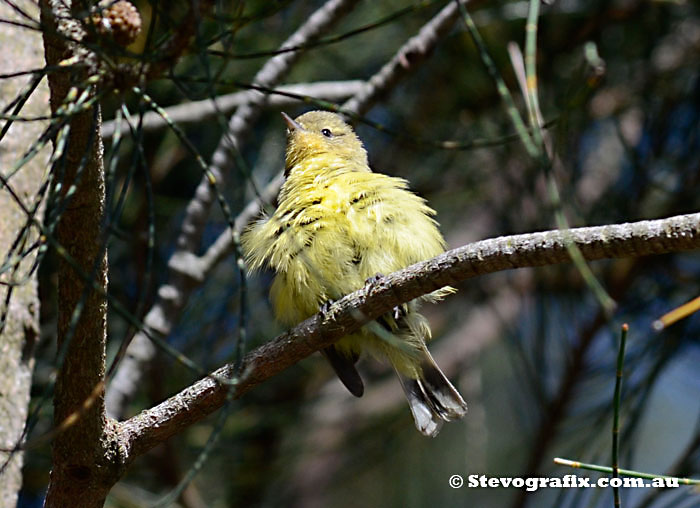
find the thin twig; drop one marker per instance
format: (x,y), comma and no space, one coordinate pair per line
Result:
(626,472)
(616,411)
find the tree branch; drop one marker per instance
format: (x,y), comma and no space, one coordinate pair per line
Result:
(174,294)
(151,427)
(416,49)
(201,111)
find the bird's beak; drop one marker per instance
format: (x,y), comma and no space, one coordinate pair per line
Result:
(293,126)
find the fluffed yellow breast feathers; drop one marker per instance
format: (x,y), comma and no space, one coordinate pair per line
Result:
(333,230)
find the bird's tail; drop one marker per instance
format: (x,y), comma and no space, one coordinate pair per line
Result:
(432,398)
(344,368)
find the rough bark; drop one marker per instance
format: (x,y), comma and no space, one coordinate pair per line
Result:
(84,454)
(21,50)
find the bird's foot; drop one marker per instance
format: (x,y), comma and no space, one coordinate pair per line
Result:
(325,308)
(400,310)
(374,279)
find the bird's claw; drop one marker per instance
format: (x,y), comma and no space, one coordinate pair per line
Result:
(374,279)
(325,307)
(400,311)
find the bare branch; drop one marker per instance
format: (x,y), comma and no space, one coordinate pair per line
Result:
(416,49)
(675,234)
(242,121)
(201,111)
(173,295)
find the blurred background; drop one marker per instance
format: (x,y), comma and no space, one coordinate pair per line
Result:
(531,350)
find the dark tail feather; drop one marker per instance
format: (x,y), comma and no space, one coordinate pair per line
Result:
(344,368)
(432,398)
(424,417)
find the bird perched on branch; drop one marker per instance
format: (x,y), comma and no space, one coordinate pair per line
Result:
(338,225)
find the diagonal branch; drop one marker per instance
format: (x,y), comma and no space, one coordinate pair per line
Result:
(155,425)
(406,59)
(187,271)
(242,121)
(174,294)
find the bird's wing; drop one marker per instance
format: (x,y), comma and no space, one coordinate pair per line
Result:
(392,226)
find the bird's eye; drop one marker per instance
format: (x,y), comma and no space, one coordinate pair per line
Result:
(327,133)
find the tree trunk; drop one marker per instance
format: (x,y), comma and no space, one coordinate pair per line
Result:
(85,453)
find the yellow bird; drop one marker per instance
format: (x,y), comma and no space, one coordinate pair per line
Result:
(337,226)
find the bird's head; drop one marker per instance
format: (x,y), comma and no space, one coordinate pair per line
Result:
(322,138)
